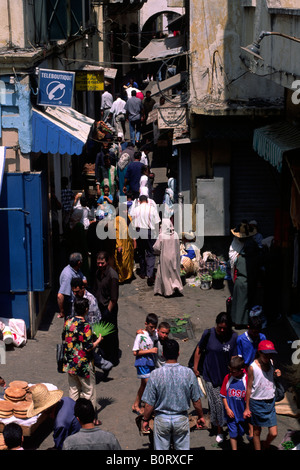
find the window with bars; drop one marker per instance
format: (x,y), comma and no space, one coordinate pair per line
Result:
(66,18)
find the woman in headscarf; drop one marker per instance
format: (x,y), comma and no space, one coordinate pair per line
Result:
(124,252)
(145,181)
(170,199)
(167,246)
(122,165)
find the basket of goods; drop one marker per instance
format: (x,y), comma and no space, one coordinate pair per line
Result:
(187,265)
(102,129)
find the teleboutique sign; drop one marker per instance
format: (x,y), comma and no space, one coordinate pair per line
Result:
(55,87)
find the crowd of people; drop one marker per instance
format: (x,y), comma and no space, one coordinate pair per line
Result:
(239,374)
(105,242)
(238,370)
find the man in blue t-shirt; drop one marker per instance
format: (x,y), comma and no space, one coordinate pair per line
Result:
(247,342)
(133,175)
(64,295)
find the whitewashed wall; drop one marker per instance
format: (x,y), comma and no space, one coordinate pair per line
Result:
(152,7)
(281,56)
(217,31)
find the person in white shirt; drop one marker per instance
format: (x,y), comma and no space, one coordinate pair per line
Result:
(106,104)
(129,89)
(145,351)
(117,114)
(260,394)
(145,221)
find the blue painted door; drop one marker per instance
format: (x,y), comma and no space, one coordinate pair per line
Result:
(23,237)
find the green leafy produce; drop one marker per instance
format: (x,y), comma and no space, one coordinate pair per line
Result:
(288,445)
(205,277)
(218,274)
(103,329)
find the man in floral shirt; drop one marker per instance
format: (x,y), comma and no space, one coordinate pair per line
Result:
(78,358)
(93,316)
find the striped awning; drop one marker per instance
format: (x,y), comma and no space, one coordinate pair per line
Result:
(59,130)
(165,47)
(272,142)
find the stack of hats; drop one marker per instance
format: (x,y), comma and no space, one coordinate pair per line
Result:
(6,409)
(19,384)
(15,394)
(3,446)
(20,409)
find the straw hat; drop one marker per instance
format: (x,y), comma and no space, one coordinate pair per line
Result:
(244,230)
(42,399)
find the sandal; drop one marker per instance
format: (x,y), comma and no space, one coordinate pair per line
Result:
(145,431)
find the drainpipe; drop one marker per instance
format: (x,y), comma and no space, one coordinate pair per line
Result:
(9,24)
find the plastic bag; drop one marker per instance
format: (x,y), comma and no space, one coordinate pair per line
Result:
(18,331)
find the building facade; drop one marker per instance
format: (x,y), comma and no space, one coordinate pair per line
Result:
(243,124)
(40,143)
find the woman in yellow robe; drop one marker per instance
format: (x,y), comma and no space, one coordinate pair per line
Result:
(124,253)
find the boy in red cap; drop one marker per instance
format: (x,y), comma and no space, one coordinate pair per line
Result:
(260,395)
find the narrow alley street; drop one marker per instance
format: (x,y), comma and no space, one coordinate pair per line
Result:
(36,361)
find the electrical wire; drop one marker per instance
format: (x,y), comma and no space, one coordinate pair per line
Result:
(107,64)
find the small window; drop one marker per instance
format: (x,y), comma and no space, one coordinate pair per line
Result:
(66,17)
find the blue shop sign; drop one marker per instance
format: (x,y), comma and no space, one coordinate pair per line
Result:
(55,87)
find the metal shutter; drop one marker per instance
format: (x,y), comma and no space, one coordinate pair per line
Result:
(255,188)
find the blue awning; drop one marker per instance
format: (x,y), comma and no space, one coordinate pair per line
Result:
(273,141)
(59,130)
